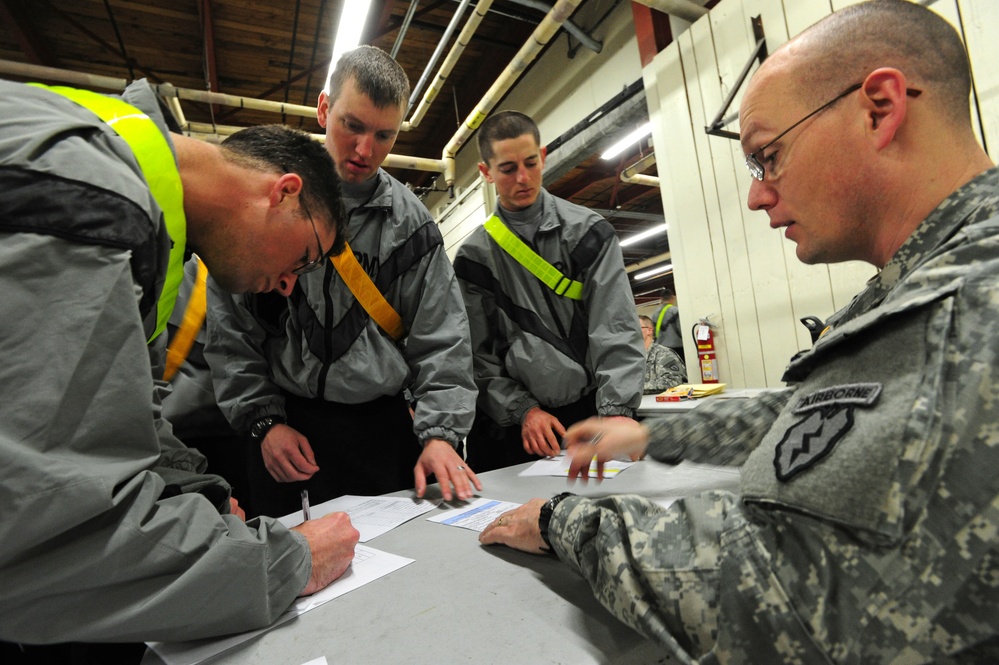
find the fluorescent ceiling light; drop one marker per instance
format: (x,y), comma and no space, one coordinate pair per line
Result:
(658,270)
(353,14)
(628,140)
(639,237)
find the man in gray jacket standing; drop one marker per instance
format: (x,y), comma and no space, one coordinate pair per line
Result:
(316,379)
(551,347)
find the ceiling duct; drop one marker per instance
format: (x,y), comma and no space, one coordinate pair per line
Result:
(685,9)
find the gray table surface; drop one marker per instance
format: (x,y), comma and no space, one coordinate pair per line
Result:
(461,602)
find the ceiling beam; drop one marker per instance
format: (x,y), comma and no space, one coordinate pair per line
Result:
(110,48)
(31,44)
(652,31)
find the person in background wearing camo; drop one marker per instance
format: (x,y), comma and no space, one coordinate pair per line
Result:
(663,367)
(865,528)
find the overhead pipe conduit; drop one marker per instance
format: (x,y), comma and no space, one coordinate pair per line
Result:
(569,26)
(166,90)
(633,174)
(437,52)
(464,37)
(542,34)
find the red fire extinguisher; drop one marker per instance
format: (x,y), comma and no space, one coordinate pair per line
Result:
(704,338)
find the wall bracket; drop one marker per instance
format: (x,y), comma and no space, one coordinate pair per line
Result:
(759,54)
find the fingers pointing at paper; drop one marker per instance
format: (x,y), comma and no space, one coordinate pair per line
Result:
(616,438)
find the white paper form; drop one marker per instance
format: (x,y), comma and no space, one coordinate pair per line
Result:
(368,565)
(559,466)
(371,515)
(476,516)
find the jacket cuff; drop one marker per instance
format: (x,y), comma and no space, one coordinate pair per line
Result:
(521,408)
(562,530)
(439,433)
(272,409)
(615,410)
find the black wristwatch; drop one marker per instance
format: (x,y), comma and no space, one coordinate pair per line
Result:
(545,517)
(261,426)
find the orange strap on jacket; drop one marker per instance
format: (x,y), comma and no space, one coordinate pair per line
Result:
(367,293)
(194,316)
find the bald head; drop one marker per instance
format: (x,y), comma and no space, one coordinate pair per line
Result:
(846,46)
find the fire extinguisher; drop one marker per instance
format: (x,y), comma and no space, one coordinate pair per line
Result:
(707,359)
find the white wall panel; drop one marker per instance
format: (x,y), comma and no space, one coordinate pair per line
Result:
(980,22)
(464,215)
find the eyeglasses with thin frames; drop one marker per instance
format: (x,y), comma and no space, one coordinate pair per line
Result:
(316,263)
(753,163)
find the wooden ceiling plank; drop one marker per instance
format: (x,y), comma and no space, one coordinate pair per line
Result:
(31,43)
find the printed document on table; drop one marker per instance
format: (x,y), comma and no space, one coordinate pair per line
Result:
(559,466)
(476,516)
(368,565)
(371,515)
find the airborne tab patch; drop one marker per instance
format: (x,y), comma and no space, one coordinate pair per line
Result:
(854,394)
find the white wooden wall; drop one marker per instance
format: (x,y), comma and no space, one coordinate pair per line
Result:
(467,212)
(729,265)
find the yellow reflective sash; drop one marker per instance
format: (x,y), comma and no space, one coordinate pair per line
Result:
(659,321)
(548,274)
(367,293)
(153,154)
(194,317)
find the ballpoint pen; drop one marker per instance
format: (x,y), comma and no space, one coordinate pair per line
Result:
(305,505)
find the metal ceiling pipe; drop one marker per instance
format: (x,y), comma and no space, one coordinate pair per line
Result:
(449,62)
(685,9)
(166,90)
(437,52)
(415,163)
(177,111)
(63,76)
(404,28)
(633,174)
(527,53)
(570,27)
(205,131)
(639,179)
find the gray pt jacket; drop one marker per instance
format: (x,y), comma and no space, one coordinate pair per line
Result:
(110,531)
(535,348)
(320,342)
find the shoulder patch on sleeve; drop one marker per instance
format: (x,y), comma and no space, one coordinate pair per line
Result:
(811,439)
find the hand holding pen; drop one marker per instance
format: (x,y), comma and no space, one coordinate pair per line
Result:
(305,506)
(604,439)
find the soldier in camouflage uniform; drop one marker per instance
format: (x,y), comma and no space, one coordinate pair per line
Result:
(663,367)
(867,526)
